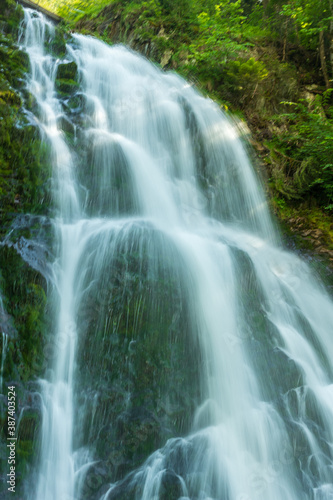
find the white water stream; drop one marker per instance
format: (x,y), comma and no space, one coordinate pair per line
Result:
(188,176)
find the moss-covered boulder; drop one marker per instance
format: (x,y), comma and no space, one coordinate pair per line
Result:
(66,87)
(67,71)
(138,365)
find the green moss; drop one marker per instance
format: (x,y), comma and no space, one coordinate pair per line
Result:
(67,71)
(24,165)
(25,300)
(66,87)
(140,326)
(11,15)
(57,46)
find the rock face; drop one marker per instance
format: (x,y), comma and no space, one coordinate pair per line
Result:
(26,328)
(24,242)
(136,361)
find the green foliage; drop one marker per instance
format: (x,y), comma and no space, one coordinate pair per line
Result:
(308,19)
(219,35)
(308,146)
(143,12)
(10,17)
(222,50)
(246,72)
(73,10)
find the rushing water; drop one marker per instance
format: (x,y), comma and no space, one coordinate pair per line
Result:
(157,173)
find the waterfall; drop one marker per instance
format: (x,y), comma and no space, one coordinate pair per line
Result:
(162,226)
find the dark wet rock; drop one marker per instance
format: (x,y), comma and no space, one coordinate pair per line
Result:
(97,477)
(31,236)
(171,487)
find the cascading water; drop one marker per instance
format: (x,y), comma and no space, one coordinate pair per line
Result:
(158,204)
(57,474)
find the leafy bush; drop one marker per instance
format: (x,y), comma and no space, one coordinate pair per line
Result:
(308,146)
(245,74)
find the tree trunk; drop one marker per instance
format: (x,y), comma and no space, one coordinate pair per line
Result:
(323,58)
(285,41)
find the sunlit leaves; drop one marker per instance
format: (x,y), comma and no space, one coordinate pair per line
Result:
(308,19)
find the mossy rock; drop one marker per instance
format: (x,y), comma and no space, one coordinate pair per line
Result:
(66,87)
(29,431)
(57,45)
(13,63)
(24,165)
(75,104)
(11,14)
(30,101)
(24,291)
(171,487)
(67,71)
(136,316)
